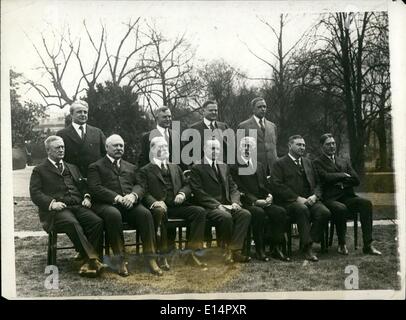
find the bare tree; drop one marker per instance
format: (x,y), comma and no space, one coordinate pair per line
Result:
(279,85)
(349,48)
(55,56)
(171,78)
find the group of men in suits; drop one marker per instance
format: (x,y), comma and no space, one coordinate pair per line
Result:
(85,187)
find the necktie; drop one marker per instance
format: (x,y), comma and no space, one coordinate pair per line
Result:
(60,166)
(214,167)
(262,125)
(297,161)
(167,136)
(212,127)
(164,169)
(333,159)
(115,164)
(82,132)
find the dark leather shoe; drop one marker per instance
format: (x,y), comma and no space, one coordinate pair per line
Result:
(278,254)
(372,251)
(87,271)
(228,257)
(195,262)
(122,270)
(239,257)
(342,249)
(97,265)
(154,268)
(261,256)
(164,265)
(309,255)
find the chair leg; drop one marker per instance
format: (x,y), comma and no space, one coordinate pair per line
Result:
(52,247)
(137,242)
(247,246)
(356,231)
(106,244)
(289,233)
(332,225)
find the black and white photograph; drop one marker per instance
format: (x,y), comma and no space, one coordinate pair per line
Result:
(203,150)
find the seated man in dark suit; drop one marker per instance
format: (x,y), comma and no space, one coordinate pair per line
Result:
(295,185)
(165,195)
(114,188)
(56,188)
(84,143)
(215,190)
(258,199)
(338,179)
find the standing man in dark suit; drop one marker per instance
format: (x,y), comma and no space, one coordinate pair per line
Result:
(266,133)
(215,190)
(162,129)
(338,179)
(210,128)
(166,193)
(258,200)
(56,188)
(117,195)
(295,185)
(84,144)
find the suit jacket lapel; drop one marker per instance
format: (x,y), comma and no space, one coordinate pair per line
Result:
(209,169)
(157,172)
(173,172)
(255,124)
(52,167)
(307,170)
(74,135)
(109,164)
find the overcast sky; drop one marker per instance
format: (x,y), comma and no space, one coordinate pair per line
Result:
(215,29)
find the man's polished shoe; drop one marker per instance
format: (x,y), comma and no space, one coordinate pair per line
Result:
(239,257)
(122,270)
(371,250)
(261,256)
(278,254)
(163,264)
(342,249)
(309,255)
(228,257)
(154,268)
(97,265)
(195,262)
(87,271)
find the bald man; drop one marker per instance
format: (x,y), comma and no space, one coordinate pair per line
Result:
(116,193)
(84,144)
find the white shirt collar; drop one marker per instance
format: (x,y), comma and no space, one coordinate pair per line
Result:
(112,159)
(76,127)
(257,120)
(162,130)
(159,162)
(207,122)
(294,159)
(209,161)
(54,162)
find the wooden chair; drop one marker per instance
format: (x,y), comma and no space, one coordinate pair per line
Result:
(179,224)
(332,224)
(53,247)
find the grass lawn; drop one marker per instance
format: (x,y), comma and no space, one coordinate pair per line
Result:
(256,276)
